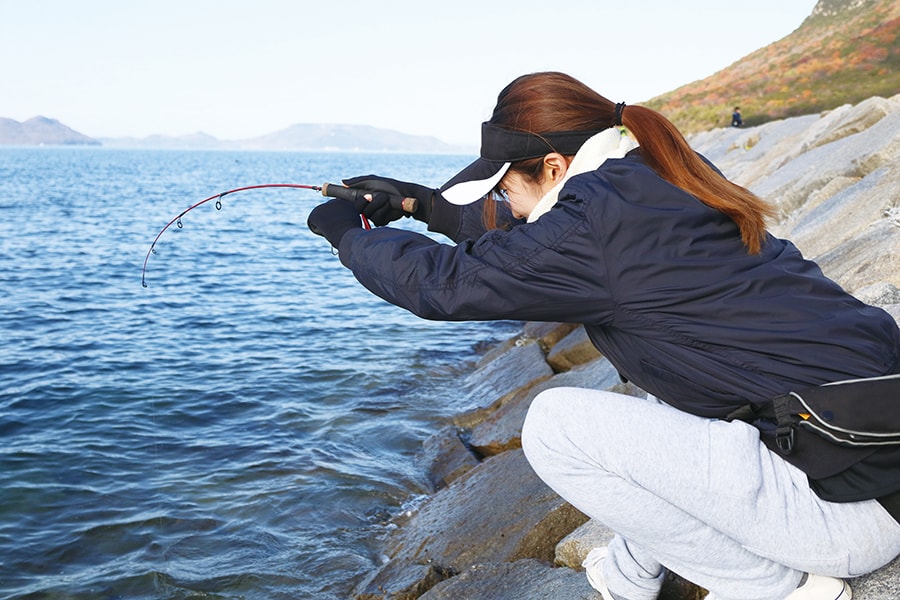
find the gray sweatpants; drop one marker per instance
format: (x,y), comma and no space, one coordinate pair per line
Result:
(704,498)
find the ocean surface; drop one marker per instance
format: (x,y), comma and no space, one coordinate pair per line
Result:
(243,427)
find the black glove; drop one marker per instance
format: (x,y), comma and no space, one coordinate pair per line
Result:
(333,219)
(379,209)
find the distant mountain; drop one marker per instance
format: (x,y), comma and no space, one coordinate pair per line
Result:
(349,138)
(844,52)
(304,137)
(39,131)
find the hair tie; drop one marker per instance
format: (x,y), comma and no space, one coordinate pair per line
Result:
(620,108)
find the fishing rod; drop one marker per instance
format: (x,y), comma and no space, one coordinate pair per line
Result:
(329,190)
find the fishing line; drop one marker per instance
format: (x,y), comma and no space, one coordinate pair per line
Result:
(327,189)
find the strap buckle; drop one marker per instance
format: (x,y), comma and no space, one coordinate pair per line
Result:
(784,439)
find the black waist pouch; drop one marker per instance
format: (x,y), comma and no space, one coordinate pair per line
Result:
(855,412)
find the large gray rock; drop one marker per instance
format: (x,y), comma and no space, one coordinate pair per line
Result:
(847,120)
(547,334)
(883,584)
(574,548)
(881,294)
(445,457)
(745,154)
(534,580)
(855,156)
(498,512)
(893,310)
(574,349)
(519,365)
(520,580)
(867,259)
(750,156)
(851,211)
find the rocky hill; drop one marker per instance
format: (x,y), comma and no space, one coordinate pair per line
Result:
(41,130)
(844,52)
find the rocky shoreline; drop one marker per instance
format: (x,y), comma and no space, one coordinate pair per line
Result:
(490,529)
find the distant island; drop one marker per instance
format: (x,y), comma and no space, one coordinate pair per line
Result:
(41,131)
(44,131)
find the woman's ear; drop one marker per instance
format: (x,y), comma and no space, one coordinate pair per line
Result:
(555,167)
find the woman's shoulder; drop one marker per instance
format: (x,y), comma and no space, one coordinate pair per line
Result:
(628,179)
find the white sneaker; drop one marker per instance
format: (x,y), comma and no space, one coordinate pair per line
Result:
(593,567)
(820,587)
(817,587)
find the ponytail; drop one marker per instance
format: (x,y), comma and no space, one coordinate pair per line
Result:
(666,151)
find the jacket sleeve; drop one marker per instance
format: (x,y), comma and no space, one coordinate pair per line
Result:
(542,271)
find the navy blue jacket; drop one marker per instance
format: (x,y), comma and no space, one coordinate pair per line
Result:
(663,285)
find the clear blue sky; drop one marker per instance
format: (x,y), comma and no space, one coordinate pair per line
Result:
(238,69)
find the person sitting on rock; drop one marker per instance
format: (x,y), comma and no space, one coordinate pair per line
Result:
(566,217)
(736,120)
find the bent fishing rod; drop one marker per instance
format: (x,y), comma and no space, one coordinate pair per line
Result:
(329,190)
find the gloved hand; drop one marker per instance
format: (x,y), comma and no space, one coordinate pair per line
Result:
(333,219)
(378,209)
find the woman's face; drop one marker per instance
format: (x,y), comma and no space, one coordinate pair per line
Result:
(522,194)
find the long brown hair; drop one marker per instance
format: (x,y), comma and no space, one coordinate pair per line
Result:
(551,101)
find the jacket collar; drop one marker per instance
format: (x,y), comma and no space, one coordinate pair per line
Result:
(609,143)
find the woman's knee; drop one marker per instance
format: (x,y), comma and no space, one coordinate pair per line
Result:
(567,422)
(555,422)
(541,421)
(545,411)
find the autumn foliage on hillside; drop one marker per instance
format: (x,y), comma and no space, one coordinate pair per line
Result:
(845,52)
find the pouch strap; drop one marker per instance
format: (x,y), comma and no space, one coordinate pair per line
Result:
(785,421)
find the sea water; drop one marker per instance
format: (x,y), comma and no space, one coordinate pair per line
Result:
(243,427)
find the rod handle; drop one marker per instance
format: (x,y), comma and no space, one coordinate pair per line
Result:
(332,190)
